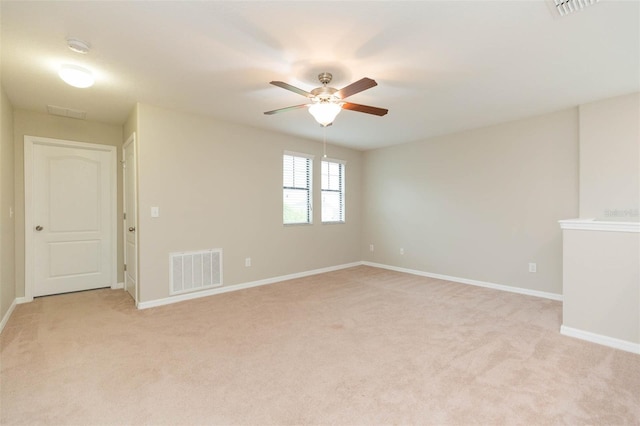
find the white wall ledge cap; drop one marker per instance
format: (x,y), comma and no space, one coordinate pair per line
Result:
(599,225)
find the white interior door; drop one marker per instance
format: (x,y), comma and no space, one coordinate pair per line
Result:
(130,220)
(71,220)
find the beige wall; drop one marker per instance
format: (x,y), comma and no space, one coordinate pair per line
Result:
(7,248)
(601,290)
(478,205)
(610,158)
(602,269)
(44,125)
(219,185)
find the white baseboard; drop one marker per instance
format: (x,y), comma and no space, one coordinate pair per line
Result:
(519,290)
(16,301)
(236,287)
(6,316)
(117,286)
(612,342)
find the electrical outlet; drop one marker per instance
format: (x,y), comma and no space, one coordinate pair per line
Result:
(370,247)
(247,262)
(533,267)
(401,251)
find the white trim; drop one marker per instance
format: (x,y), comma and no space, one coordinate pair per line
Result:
(29,261)
(131,140)
(117,286)
(611,342)
(21,300)
(236,287)
(599,225)
(28,221)
(6,316)
(334,160)
(501,287)
(299,154)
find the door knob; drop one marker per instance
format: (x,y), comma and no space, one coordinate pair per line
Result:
(39,228)
(132,229)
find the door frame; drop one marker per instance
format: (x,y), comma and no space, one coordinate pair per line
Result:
(129,141)
(29,205)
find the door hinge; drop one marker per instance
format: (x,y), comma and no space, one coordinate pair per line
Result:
(125,267)
(125,216)
(124,164)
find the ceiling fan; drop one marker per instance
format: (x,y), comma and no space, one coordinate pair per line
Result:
(327,102)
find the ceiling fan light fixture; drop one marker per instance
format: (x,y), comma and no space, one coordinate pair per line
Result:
(325,112)
(76,76)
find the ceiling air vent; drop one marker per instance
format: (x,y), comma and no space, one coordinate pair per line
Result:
(66,112)
(566,7)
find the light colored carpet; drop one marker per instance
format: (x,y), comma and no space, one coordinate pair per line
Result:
(351,347)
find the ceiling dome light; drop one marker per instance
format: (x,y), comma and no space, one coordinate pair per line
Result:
(325,112)
(76,76)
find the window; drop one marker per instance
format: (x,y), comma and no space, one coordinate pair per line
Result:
(296,188)
(333,191)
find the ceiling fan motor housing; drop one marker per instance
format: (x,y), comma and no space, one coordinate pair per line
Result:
(325,78)
(325,94)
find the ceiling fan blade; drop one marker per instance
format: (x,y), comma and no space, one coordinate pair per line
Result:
(292,88)
(357,87)
(276,111)
(365,108)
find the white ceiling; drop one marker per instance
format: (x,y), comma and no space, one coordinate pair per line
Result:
(441,66)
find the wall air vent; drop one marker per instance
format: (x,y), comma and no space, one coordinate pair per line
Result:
(195,270)
(66,112)
(566,7)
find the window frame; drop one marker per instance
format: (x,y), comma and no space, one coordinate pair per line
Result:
(342,190)
(309,188)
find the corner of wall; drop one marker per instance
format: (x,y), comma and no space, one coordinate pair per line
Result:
(7,210)
(131,124)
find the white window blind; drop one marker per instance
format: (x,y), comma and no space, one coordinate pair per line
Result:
(296,188)
(333,191)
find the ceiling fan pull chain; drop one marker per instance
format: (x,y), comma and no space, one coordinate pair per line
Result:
(324,141)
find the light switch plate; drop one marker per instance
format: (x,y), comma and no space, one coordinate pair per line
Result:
(155,211)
